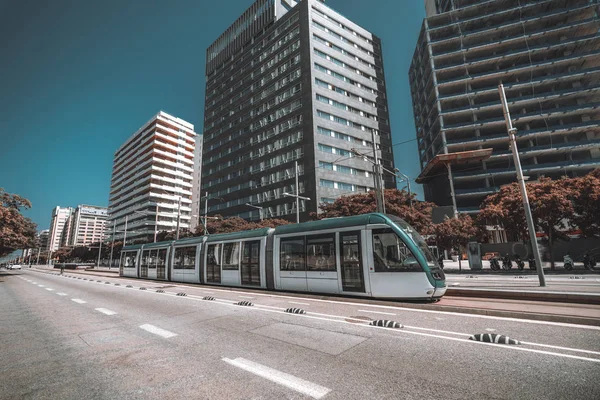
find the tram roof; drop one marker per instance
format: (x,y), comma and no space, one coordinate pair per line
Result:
(132,247)
(238,235)
(166,243)
(332,223)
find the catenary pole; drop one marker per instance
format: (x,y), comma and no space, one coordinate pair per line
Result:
(112,246)
(528,216)
(297,194)
(379,187)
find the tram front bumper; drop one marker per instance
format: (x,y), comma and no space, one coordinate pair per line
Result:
(438,292)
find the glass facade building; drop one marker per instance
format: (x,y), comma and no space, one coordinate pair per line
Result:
(292,82)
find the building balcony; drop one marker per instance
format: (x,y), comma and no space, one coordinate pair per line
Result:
(523,100)
(483,16)
(491,44)
(548,79)
(495,58)
(474,142)
(499,74)
(570,165)
(523,118)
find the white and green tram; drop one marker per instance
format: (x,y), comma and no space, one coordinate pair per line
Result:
(371,255)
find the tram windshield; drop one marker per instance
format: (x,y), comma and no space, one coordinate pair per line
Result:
(417,238)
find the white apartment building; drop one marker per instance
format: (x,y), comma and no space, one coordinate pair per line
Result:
(152,180)
(88,225)
(59,227)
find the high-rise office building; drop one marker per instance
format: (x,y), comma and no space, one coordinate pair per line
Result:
(152,180)
(59,228)
(546,55)
(88,225)
(292,82)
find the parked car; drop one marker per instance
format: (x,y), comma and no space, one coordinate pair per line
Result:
(16,266)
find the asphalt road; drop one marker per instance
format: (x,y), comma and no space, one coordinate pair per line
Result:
(70,338)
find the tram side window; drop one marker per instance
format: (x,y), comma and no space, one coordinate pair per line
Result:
(320,253)
(231,256)
(161,258)
(185,258)
(292,255)
(390,254)
(151,261)
(128,260)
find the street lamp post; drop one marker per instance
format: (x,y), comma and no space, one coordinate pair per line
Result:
(206,209)
(99,253)
(112,246)
(178,215)
(125,234)
(407,179)
(260,210)
(297,203)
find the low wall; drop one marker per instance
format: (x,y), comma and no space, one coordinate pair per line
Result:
(575,247)
(74,265)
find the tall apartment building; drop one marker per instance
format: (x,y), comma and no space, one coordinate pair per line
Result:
(152,180)
(88,225)
(292,81)
(546,53)
(59,228)
(41,240)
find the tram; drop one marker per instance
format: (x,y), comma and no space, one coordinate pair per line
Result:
(370,255)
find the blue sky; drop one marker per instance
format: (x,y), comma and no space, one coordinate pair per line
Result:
(78,77)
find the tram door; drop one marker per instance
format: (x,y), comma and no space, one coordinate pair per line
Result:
(144,264)
(353,279)
(161,264)
(250,270)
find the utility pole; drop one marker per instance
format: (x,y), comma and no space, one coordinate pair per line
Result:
(178,215)
(205,212)
(156,223)
(37,262)
(112,247)
(379,187)
(125,235)
(513,145)
(99,253)
(297,193)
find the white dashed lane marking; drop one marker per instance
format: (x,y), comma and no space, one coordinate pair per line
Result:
(105,311)
(290,381)
(49,289)
(61,294)
(157,331)
(79,301)
(41,285)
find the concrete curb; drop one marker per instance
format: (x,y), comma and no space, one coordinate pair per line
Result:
(561,297)
(566,319)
